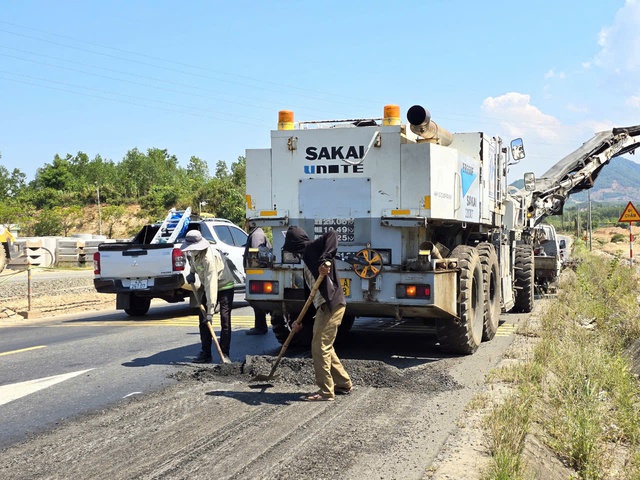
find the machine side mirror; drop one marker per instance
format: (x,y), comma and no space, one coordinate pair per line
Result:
(563,244)
(517,150)
(529,181)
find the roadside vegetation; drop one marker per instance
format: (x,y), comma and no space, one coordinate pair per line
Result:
(576,392)
(55,201)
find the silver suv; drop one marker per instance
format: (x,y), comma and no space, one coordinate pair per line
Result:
(227,237)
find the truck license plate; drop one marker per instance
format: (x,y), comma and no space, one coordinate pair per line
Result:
(138,284)
(346,286)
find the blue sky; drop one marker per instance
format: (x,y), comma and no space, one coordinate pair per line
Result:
(207,78)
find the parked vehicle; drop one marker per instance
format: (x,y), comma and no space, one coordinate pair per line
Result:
(153,266)
(548,257)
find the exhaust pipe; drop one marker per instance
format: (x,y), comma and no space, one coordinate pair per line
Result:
(421,124)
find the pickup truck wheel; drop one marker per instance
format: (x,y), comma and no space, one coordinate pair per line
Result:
(492,291)
(281,330)
(524,279)
(138,306)
(463,336)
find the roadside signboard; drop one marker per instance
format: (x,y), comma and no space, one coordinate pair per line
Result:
(630,215)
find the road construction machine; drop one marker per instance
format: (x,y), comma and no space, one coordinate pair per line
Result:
(429,230)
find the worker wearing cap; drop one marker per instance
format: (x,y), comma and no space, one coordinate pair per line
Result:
(330,304)
(217,279)
(256,239)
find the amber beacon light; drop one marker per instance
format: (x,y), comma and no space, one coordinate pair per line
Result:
(391,115)
(285,120)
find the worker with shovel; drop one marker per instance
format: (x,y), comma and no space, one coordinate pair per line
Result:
(217,279)
(330,305)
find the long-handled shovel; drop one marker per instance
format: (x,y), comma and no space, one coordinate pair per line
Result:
(307,304)
(213,334)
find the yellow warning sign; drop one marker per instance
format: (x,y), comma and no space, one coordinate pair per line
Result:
(630,214)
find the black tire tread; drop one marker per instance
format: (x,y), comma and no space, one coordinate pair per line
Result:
(457,337)
(491,275)
(524,278)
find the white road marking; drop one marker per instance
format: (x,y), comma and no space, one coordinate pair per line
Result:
(9,393)
(132,393)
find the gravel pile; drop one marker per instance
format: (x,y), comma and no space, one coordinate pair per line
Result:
(299,372)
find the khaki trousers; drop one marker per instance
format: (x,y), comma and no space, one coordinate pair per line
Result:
(328,370)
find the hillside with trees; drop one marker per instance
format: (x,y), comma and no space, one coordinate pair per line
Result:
(56,201)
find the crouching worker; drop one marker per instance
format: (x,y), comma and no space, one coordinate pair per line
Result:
(217,279)
(330,305)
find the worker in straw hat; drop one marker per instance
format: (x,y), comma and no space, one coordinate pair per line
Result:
(217,279)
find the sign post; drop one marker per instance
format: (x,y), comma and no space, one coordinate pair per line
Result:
(630,215)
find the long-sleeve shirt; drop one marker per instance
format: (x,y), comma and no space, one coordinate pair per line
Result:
(210,267)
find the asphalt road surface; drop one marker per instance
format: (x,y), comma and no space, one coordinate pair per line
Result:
(93,399)
(85,362)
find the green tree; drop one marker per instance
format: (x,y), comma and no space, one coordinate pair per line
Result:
(198,170)
(111,214)
(57,175)
(47,223)
(68,217)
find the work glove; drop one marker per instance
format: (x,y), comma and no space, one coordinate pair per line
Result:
(191,278)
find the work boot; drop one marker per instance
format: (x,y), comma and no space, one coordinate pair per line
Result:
(256,331)
(202,358)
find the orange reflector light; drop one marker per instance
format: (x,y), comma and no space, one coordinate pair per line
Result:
(413,291)
(263,287)
(391,115)
(285,120)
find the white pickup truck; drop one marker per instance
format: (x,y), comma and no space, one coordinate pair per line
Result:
(139,270)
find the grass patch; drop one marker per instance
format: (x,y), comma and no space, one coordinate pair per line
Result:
(507,427)
(577,386)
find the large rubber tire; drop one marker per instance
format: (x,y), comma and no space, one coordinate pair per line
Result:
(281,330)
(463,336)
(138,306)
(524,278)
(492,290)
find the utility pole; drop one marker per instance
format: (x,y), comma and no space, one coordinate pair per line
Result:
(99,212)
(589,198)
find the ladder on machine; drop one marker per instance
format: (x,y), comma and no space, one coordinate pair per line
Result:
(175,222)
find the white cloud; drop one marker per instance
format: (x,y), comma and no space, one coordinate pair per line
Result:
(619,44)
(577,108)
(517,116)
(552,74)
(547,140)
(633,101)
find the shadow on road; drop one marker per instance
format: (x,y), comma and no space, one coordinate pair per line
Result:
(176,356)
(258,398)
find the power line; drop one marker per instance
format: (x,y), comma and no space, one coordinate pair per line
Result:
(122,101)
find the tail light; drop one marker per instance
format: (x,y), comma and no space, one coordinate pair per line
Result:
(413,291)
(264,287)
(178,260)
(96,263)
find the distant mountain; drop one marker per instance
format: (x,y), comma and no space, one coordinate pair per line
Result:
(617,183)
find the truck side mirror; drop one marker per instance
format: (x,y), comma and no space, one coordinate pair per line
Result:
(517,150)
(529,181)
(563,244)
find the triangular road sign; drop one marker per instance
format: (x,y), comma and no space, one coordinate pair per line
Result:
(630,214)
